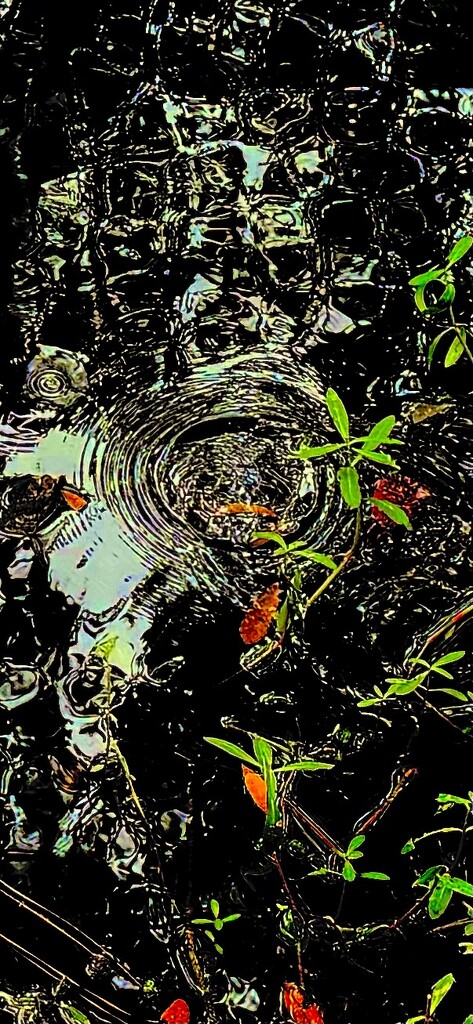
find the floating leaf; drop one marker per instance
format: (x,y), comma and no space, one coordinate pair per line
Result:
(459,249)
(350,486)
(338,413)
(392,511)
(439,991)
(231,748)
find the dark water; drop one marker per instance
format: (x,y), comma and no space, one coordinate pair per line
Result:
(209,216)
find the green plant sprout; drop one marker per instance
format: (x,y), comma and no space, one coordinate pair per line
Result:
(399,686)
(434,998)
(358,449)
(437,879)
(215,922)
(430,304)
(348,872)
(264,751)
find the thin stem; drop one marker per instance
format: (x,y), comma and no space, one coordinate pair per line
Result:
(340,567)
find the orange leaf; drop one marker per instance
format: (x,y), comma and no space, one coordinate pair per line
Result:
(256,623)
(256,787)
(239,508)
(177,1013)
(298,1010)
(75,501)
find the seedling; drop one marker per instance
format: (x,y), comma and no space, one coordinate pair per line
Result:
(430,304)
(434,998)
(348,872)
(400,686)
(215,922)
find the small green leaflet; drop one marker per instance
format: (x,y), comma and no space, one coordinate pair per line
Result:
(459,249)
(379,433)
(386,460)
(448,798)
(264,753)
(379,875)
(270,535)
(451,693)
(402,686)
(392,511)
(350,486)
(315,556)
(305,452)
(71,1015)
(215,907)
(231,748)
(448,658)
(355,843)
(338,413)
(439,991)
(456,349)
(304,766)
(348,872)
(434,343)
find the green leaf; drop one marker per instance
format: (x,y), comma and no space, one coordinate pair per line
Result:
(379,433)
(448,658)
(338,413)
(406,686)
(354,855)
(315,556)
(448,798)
(442,672)
(459,885)
(447,296)
(392,511)
(348,872)
(386,460)
(425,277)
(469,1019)
(231,917)
(419,299)
(375,874)
(369,702)
(408,847)
(440,897)
(459,249)
(282,616)
(430,874)
(72,1015)
(451,693)
(218,924)
(304,766)
(435,342)
(215,907)
(350,486)
(306,452)
(231,748)
(202,920)
(439,991)
(455,352)
(264,755)
(270,535)
(415,1020)
(355,843)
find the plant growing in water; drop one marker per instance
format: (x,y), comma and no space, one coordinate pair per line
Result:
(431,304)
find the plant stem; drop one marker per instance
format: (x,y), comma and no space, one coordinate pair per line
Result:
(340,567)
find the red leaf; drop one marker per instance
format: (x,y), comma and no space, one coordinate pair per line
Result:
(177,1013)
